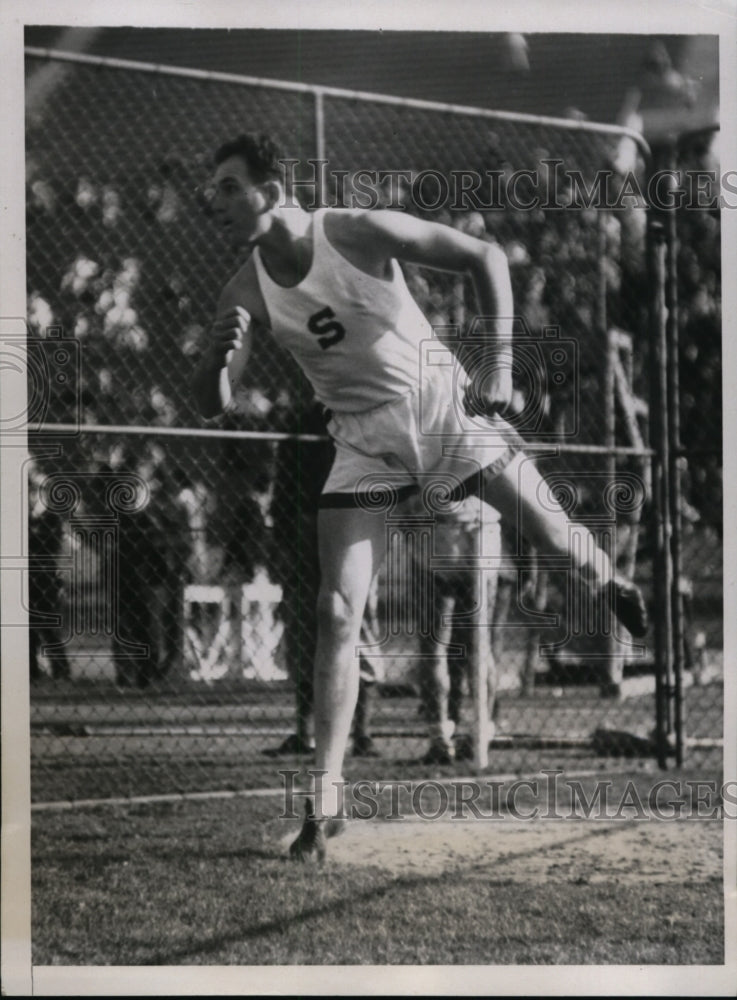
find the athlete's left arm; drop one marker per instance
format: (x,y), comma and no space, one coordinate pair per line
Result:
(431,244)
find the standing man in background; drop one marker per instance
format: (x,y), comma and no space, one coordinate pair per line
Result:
(462,535)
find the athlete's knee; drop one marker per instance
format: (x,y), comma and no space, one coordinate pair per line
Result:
(338,614)
(565,537)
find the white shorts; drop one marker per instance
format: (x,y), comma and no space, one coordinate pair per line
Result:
(420,441)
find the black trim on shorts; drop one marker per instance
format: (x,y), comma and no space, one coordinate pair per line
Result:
(473,484)
(377,500)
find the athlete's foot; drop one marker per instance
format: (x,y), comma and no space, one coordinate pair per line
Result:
(628,605)
(310,844)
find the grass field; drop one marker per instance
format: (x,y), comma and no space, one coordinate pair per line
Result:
(157,877)
(208,882)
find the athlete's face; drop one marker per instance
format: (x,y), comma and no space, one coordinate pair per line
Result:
(239,205)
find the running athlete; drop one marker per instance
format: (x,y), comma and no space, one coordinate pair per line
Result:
(329,287)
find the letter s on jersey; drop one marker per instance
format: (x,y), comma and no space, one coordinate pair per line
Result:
(324,323)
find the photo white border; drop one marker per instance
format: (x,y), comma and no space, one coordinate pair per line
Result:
(627,16)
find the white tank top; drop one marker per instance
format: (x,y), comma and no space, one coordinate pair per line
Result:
(356,337)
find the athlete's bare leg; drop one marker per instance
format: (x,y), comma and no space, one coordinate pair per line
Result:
(352,544)
(522,497)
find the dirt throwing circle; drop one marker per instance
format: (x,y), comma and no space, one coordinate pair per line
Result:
(623,851)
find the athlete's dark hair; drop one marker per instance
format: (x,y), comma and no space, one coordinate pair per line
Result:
(261,156)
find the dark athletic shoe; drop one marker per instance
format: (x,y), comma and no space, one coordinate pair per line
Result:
(628,605)
(364,746)
(292,746)
(310,844)
(439,753)
(463,747)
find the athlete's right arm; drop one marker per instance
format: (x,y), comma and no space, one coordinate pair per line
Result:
(225,356)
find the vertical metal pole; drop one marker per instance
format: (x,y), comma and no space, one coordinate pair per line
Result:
(661,528)
(320,144)
(674,445)
(478,655)
(613,663)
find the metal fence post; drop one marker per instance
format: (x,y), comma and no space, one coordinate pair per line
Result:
(674,448)
(614,664)
(661,527)
(320,144)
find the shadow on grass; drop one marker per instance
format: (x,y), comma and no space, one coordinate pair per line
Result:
(334,909)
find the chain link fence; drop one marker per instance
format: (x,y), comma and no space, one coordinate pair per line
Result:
(172,561)
(695,275)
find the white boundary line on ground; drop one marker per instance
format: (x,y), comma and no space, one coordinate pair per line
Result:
(68,805)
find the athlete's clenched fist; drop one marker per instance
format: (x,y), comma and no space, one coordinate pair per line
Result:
(227,334)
